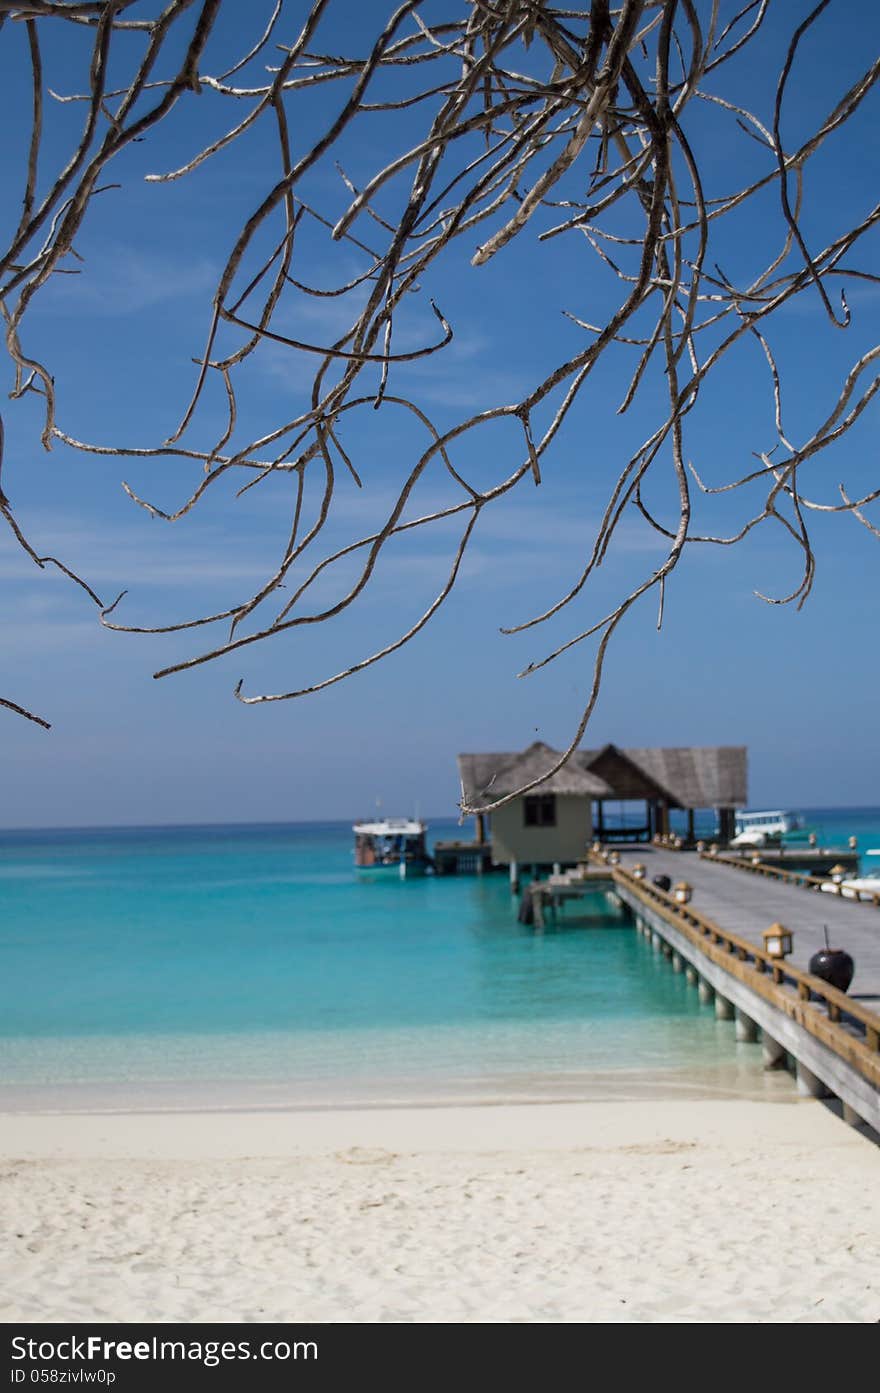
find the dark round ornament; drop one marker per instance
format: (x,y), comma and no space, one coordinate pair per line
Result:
(662,882)
(833,966)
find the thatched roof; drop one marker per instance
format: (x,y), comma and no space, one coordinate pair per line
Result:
(621,773)
(711,776)
(486,777)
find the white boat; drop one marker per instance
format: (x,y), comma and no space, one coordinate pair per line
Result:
(757,829)
(391,843)
(853,887)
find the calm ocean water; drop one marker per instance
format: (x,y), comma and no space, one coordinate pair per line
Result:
(251,966)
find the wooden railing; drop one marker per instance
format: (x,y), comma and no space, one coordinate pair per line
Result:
(847,1027)
(802,878)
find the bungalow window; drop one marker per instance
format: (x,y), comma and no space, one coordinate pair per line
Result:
(539,810)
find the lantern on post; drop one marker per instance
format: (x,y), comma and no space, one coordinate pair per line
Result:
(614,858)
(837,873)
(638,871)
(713,849)
(812,839)
(682,892)
(777,941)
(701,847)
(853,843)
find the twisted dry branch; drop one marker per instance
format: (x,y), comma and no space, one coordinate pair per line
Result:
(525,123)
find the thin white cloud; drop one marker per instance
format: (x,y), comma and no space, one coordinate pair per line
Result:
(119,280)
(103,559)
(25,637)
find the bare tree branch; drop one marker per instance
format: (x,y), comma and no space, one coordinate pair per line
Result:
(517,118)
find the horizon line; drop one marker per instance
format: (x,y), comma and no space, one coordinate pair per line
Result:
(325,821)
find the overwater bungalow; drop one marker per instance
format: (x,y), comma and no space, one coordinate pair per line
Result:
(557,820)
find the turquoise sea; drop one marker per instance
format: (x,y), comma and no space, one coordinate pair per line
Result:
(251,966)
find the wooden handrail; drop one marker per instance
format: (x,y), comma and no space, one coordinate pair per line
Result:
(772,979)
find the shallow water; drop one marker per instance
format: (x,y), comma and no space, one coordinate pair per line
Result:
(246,966)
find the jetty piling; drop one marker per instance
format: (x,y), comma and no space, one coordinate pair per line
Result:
(773,1052)
(746,1028)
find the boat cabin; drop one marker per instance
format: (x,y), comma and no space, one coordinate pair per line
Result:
(754,829)
(391,844)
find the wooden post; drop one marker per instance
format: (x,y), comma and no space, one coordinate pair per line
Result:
(538,902)
(664,818)
(726,824)
(690,825)
(481,828)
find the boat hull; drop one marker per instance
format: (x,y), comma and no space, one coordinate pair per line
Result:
(405,870)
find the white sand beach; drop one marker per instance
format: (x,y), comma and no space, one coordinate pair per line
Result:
(682,1211)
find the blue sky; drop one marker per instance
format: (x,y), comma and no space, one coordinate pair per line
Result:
(797,688)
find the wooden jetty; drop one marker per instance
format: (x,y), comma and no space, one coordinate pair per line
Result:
(542,898)
(747,899)
(713,931)
(818,861)
(808,876)
(462,858)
